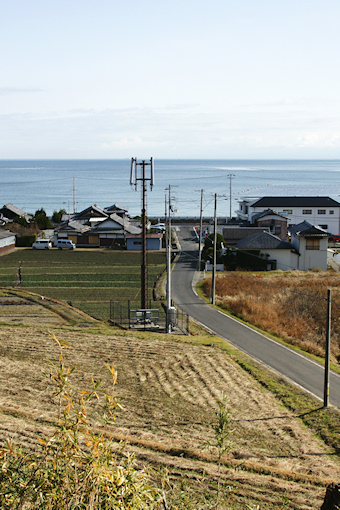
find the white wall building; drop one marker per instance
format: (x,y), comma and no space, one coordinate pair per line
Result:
(321,211)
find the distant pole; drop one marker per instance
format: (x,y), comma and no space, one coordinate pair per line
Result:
(133,181)
(74,195)
(230,193)
(327,352)
(200,237)
(213,283)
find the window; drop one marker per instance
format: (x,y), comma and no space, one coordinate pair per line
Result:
(288,211)
(312,243)
(331,211)
(325,227)
(321,211)
(306,211)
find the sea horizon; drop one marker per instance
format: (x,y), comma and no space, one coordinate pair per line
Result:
(76,183)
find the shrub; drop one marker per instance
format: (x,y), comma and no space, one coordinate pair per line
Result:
(25,240)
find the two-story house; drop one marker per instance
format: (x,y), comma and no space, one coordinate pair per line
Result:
(321,211)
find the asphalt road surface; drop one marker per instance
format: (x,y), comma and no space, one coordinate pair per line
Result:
(291,365)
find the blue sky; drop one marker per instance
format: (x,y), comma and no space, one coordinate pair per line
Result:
(170,79)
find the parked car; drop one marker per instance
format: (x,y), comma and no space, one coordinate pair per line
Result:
(65,244)
(160,227)
(42,244)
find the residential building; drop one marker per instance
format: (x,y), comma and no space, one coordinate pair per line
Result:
(7,241)
(320,211)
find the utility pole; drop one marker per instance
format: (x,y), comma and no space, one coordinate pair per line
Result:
(213,283)
(74,195)
(133,181)
(168,265)
(200,238)
(230,193)
(327,353)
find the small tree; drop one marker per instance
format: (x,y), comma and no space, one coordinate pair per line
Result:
(56,216)
(208,248)
(221,442)
(42,220)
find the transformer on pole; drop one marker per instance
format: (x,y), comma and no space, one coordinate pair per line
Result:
(134,178)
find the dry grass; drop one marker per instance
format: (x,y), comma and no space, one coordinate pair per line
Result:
(170,387)
(291,306)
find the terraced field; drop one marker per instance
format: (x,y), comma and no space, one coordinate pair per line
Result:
(170,386)
(87,278)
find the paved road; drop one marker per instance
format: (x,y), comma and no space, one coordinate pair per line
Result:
(293,366)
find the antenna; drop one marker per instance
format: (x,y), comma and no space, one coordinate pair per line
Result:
(133,181)
(132,171)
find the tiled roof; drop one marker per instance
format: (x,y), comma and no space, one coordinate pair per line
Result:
(264,241)
(272,202)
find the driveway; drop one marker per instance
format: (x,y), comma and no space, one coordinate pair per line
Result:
(295,367)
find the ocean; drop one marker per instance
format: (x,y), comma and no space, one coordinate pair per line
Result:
(77,184)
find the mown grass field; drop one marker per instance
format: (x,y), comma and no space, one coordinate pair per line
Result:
(88,279)
(169,387)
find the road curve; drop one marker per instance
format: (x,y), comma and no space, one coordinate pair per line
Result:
(302,371)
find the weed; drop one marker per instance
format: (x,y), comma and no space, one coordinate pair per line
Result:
(77,467)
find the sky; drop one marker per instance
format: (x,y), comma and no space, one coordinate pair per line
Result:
(231,79)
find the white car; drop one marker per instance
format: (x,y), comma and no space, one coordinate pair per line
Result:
(42,244)
(65,244)
(159,226)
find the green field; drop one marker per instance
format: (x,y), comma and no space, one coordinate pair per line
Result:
(89,279)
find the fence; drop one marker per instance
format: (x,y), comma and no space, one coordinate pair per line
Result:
(129,315)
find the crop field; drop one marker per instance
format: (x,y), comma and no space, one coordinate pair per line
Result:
(87,279)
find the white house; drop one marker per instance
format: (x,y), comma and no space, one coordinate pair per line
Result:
(312,244)
(272,247)
(321,211)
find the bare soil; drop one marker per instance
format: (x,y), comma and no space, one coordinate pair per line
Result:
(169,388)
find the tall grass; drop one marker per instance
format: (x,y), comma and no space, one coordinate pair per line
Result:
(292,306)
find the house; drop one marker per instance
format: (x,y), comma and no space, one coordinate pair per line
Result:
(93,227)
(91,215)
(232,235)
(279,253)
(114,230)
(153,242)
(7,241)
(117,209)
(72,230)
(312,244)
(275,223)
(9,212)
(321,211)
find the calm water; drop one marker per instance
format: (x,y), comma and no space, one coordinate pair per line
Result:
(56,184)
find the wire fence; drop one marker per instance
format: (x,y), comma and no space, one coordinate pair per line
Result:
(129,315)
